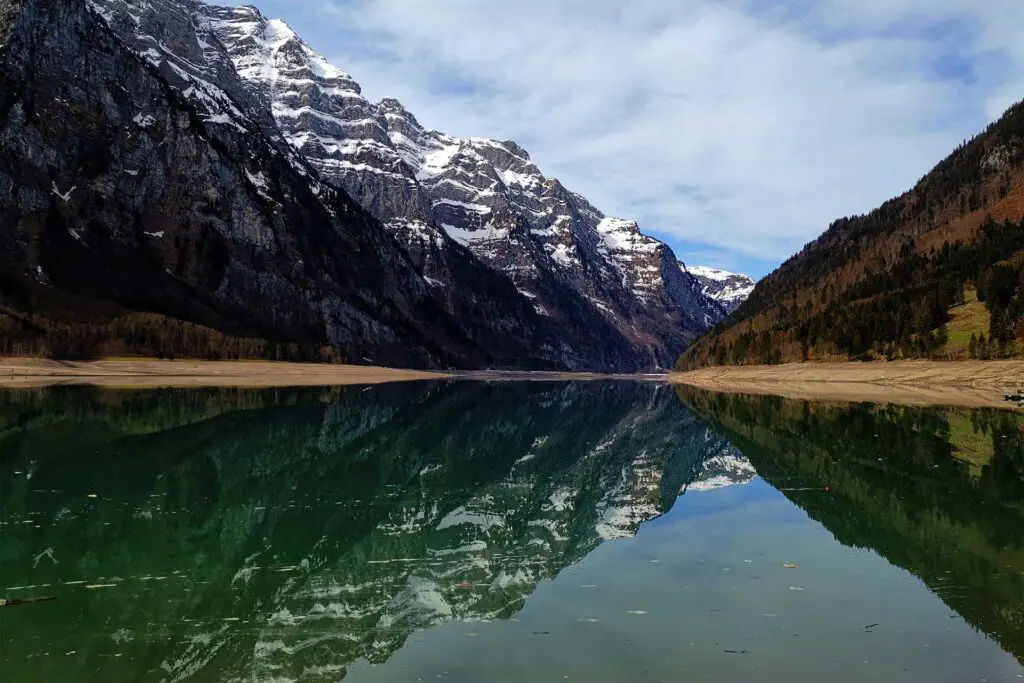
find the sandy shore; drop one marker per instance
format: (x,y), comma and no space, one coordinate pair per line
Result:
(143,373)
(974,383)
(967,383)
(128,373)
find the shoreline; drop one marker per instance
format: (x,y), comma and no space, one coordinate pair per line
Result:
(144,373)
(959,383)
(917,382)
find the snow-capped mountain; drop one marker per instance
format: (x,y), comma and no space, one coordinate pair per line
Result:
(142,174)
(728,289)
(729,467)
(204,163)
(568,259)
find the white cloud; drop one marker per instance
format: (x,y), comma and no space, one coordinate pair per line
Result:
(740,126)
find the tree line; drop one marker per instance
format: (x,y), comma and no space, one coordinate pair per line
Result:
(145,335)
(900,313)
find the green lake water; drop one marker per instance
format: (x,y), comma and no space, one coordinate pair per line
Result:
(506,531)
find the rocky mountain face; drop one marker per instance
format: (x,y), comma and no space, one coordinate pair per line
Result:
(576,266)
(727,289)
(137,171)
(283,536)
(201,163)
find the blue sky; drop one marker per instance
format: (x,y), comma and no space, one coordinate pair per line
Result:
(735,130)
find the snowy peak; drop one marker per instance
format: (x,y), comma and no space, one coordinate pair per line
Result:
(709,273)
(633,253)
(728,289)
(399,118)
(268,49)
(584,274)
(622,235)
(728,468)
(485,194)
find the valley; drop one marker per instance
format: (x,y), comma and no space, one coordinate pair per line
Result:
(388,341)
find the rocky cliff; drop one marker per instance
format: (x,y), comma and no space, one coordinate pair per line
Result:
(577,267)
(136,176)
(204,164)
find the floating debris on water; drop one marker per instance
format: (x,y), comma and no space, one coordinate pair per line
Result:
(24,601)
(46,553)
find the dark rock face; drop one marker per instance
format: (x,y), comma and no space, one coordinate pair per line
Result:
(198,162)
(128,178)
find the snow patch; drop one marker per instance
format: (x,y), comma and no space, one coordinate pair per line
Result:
(63,196)
(460,516)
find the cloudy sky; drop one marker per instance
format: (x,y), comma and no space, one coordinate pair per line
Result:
(736,130)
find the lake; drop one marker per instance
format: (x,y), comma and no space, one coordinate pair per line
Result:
(506,531)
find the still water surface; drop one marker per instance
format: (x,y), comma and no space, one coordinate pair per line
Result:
(506,532)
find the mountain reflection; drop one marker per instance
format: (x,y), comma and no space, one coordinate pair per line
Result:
(282,535)
(938,492)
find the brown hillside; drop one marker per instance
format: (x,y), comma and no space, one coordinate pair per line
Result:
(1011,207)
(879,284)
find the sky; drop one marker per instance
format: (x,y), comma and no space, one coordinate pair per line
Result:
(735,130)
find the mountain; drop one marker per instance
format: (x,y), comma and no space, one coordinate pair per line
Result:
(591,273)
(937,272)
(729,290)
(270,536)
(134,179)
(202,164)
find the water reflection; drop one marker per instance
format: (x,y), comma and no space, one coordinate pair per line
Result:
(306,535)
(225,535)
(936,491)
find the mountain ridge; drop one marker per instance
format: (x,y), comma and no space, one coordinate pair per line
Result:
(487,195)
(131,183)
(509,270)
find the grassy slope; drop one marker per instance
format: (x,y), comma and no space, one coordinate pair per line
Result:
(970,318)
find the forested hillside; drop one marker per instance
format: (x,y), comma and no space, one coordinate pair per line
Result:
(935,273)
